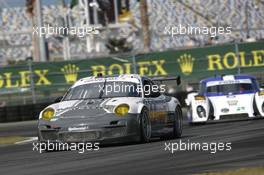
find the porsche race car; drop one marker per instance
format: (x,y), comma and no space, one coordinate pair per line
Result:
(92,110)
(225,97)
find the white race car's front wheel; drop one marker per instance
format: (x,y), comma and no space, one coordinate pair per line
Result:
(191,121)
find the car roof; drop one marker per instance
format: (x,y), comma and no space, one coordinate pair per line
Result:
(227,77)
(135,78)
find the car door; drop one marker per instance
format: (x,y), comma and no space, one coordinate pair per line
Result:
(157,105)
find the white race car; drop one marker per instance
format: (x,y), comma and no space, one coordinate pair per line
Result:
(225,97)
(111,109)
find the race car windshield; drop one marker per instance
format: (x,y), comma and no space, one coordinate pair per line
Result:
(230,88)
(102,90)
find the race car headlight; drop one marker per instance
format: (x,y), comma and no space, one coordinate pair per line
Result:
(201,111)
(199,97)
(261,93)
(121,110)
(48,113)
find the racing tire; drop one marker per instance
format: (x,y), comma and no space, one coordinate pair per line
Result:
(145,126)
(177,124)
(189,116)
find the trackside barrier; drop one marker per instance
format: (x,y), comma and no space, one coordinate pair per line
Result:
(21,112)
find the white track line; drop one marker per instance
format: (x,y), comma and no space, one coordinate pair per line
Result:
(31,139)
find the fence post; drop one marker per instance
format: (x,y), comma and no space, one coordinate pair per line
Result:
(32,84)
(134,64)
(238,57)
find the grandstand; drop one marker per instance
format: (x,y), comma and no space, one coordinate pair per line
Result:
(245,17)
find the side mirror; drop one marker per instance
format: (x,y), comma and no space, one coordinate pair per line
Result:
(155,94)
(152,95)
(193,92)
(58,99)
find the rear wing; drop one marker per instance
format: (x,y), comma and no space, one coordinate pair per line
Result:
(162,79)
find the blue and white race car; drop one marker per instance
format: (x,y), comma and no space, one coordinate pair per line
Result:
(225,97)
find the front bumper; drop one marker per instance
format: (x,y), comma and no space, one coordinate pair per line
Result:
(109,129)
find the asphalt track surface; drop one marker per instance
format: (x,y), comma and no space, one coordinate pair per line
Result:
(247,138)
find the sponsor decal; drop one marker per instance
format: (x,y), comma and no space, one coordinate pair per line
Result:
(225,110)
(230,60)
(22,79)
(80,128)
(240,108)
(70,72)
(186,62)
(232,102)
(149,68)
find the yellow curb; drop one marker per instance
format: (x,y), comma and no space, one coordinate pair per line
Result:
(241,171)
(7,140)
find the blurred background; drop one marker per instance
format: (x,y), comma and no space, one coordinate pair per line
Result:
(35,70)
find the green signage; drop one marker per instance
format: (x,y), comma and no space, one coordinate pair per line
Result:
(189,63)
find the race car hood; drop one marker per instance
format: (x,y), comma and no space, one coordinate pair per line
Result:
(80,115)
(90,108)
(232,104)
(80,108)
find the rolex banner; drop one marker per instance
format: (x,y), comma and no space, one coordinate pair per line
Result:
(189,63)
